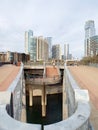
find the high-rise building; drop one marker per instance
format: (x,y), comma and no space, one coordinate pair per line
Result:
(66,51)
(36,47)
(28,35)
(67,55)
(56,52)
(42,49)
(89,32)
(49,40)
(33,48)
(94,45)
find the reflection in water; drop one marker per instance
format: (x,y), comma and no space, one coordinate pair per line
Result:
(54,110)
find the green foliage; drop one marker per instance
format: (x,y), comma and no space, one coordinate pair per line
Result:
(87,60)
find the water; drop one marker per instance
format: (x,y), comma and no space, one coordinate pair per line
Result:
(53,110)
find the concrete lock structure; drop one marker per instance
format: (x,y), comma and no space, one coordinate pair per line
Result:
(75,100)
(43,97)
(50,76)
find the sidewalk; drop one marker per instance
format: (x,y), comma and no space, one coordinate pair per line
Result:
(87,78)
(7,75)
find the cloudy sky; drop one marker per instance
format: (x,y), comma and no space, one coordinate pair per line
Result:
(63,20)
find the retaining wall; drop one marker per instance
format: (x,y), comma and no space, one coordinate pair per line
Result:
(77,101)
(11,106)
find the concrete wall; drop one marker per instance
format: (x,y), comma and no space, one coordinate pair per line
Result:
(12,101)
(16,88)
(77,101)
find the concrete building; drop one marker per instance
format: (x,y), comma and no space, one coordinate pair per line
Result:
(89,32)
(13,57)
(49,40)
(56,52)
(2,56)
(42,49)
(36,47)
(70,57)
(9,56)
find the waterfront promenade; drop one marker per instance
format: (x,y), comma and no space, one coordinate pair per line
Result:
(87,78)
(7,75)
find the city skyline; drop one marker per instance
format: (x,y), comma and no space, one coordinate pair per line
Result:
(62,20)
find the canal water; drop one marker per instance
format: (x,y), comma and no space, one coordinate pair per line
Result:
(53,110)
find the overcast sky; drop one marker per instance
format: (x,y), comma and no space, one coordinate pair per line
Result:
(63,20)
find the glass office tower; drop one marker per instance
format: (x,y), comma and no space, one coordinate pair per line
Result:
(28,35)
(89,32)
(66,51)
(33,48)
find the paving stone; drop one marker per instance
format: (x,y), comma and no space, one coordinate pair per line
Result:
(7,75)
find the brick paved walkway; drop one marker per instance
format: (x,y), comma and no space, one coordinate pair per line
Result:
(7,75)
(87,78)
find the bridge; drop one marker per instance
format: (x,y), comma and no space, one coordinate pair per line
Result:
(74,100)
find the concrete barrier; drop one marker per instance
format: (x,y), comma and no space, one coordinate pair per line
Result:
(78,107)
(6,121)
